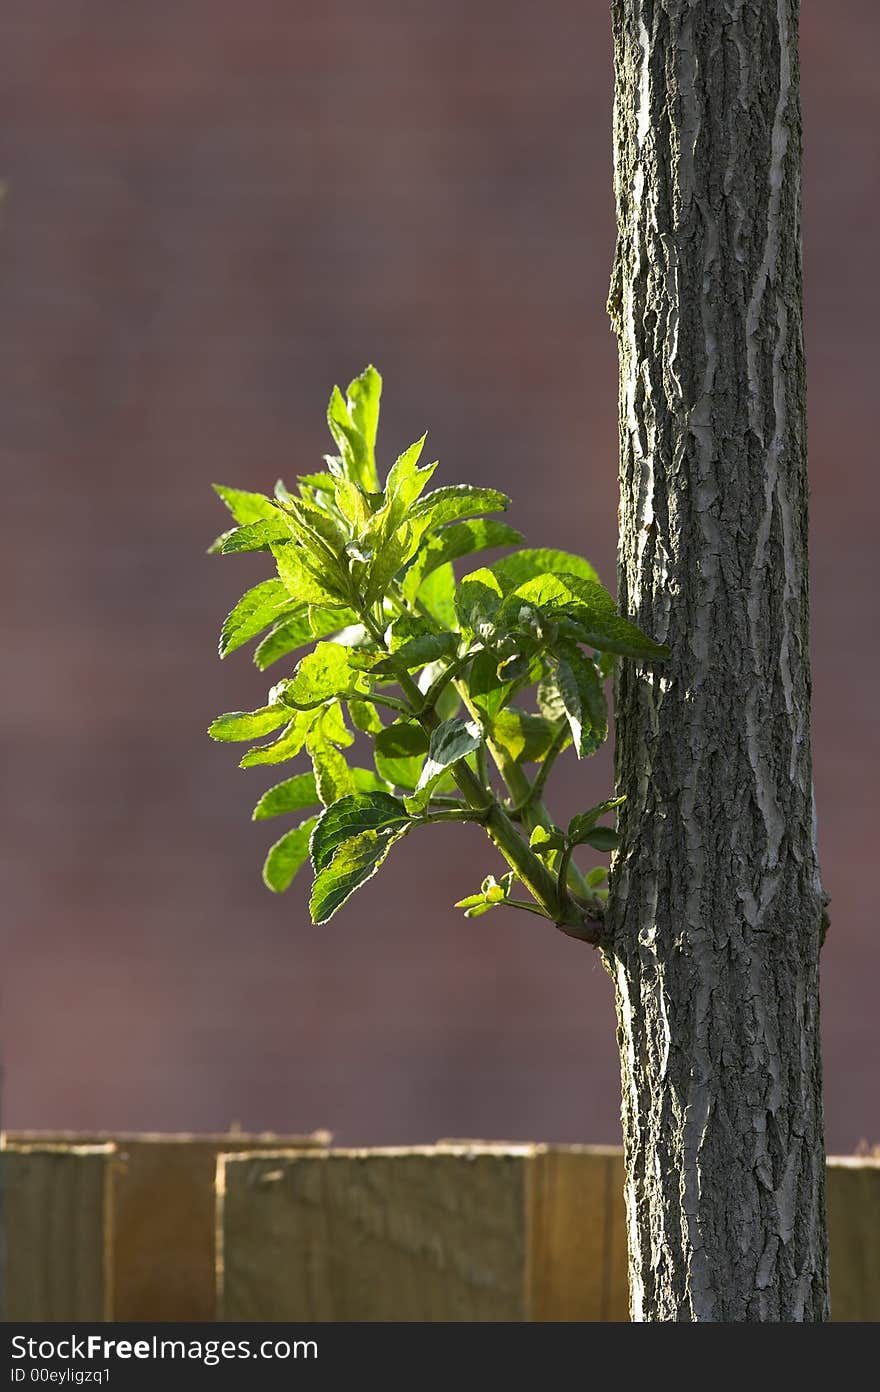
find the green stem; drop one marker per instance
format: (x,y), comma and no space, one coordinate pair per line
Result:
(537,788)
(390,701)
(451,815)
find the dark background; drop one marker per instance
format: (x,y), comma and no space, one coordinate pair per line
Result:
(214,211)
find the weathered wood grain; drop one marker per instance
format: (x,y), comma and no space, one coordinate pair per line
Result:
(57,1231)
(853,1196)
(163,1248)
(452,1232)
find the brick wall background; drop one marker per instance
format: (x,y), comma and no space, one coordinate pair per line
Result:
(214,212)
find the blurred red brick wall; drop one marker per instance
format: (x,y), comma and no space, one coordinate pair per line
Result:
(214,212)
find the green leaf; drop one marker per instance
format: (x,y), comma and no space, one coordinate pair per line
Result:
(248,725)
(460,539)
(324,483)
(589,611)
(365,717)
(477,602)
(470,902)
(284,638)
(351,816)
(544,841)
(363,406)
(445,505)
(354,863)
(350,442)
(319,676)
(585,821)
(417,652)
(450,741)
(485,689)
(601,839)
(299,792)
(583,698)
(216,546)
(333,727)
(246,507)
(290,796)
(257,609)
(256,536)
(287,855)
(319,533)
(437,595)
(304,581)
(300,629)
(526,738)
(447,704)
(406,481)
(598,875)
(550,702)
(333,778)
(515,570)
(399,753)
(287,746)
(388,560)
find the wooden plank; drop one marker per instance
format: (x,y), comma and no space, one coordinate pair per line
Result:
(57,1228)
(460,1231)
(854,1237)
(577,1249)
(164,1257)
(434,1233)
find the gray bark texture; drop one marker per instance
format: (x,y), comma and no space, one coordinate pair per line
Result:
(716,904)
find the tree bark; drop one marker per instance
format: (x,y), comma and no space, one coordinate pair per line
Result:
(716,903)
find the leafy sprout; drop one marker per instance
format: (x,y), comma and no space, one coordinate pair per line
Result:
(469,689)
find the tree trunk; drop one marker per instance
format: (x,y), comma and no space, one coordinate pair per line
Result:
(716,904)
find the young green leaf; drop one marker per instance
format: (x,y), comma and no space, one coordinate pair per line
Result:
(287,855)
(320,676)
(246,507)
(390,556)
(585,821)
(460,539)
(516,569)
(354,863)
(303,627)
(216,547)
(248,725)
(365,717)
(352,446)
(256,536)
(287,746)
(598,875)
(258,607)
(453,504)
(332,774)
(305,581)
(544,841)
(352,815)
(290,796)
(589,611)
(364,394)
(417,652)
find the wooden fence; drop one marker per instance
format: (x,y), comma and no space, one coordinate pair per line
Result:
(285,1228)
